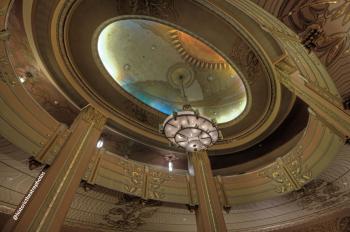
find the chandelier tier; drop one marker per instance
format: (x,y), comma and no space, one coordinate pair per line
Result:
(190,131)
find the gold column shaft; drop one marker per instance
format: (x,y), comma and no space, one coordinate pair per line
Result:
(49,204)
(209,213)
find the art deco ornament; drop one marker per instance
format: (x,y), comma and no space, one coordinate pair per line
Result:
(189,130)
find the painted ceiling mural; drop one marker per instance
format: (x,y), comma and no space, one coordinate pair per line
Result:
(132,51)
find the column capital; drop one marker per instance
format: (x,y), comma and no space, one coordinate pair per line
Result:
(92,115)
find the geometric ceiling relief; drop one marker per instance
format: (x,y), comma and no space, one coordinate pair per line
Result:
(147,59)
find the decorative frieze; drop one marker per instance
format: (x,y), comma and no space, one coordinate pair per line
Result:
(288,173)
(136,174)
(145,181)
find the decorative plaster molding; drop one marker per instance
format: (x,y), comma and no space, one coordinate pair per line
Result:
(91,115)
(130,213)
(289,172)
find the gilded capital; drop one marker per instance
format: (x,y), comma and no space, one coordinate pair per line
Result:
(92,115)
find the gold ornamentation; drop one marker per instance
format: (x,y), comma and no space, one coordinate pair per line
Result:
(311,36)
(92,115)
(319,194)
(304,15)
(247,62)
(136,175)
(155,181)
(157,8)
(144,181)
(5,78)
(208,58)
(288,172)
(130,212)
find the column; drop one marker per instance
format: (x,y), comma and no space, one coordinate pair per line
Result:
(209,214)
(49,203)
(325,108)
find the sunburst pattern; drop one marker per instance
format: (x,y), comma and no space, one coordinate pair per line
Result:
(195,52)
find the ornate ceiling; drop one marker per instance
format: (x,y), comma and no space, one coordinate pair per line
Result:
(138,124)
(65,63)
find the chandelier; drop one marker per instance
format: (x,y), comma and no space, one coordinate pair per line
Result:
(190,130)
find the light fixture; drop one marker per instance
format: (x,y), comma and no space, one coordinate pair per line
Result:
(99,143)
(22,79)
(170,165)
(170,158)
(189,130)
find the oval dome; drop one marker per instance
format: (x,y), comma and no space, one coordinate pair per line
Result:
(166,68)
